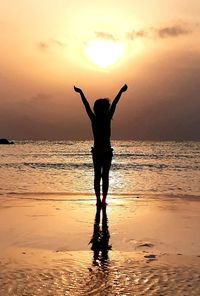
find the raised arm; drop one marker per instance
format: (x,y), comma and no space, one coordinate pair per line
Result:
(116,100)
(85,102)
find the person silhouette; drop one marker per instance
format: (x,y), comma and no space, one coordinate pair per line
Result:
(102,151)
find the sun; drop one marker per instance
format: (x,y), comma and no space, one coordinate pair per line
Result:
(104,52)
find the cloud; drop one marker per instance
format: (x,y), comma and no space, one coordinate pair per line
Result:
(162,103)
(51,43)
(104,35)
(137,34)
(174,30)
(165,103)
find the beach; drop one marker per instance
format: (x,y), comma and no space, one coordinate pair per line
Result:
(154,246)
(100,148)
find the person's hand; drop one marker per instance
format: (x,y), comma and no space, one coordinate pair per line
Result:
(77,89)
(124,88)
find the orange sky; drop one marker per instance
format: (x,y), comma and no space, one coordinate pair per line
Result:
(44,49)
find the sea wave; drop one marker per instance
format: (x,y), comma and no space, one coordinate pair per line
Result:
(89,197)
(115,166)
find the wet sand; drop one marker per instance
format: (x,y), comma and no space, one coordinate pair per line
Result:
(155,247)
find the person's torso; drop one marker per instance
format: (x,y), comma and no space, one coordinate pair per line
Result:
(101,128)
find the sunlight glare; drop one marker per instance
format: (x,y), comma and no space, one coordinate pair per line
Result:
(104,53)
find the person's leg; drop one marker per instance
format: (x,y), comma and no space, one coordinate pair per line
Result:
(105,176)
(97,178)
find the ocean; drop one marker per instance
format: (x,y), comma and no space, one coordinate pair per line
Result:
(64,168)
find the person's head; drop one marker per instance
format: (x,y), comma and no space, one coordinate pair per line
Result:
(101,107)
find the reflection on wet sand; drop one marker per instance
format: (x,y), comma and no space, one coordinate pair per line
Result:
(100,238)
(33,261)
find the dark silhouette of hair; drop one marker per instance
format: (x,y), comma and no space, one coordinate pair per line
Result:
(101,107)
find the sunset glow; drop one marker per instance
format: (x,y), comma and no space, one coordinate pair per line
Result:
(47,47)
(104,53)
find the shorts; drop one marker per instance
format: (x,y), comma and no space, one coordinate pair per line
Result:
(102,157)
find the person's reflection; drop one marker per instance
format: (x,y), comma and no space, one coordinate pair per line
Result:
(100,239)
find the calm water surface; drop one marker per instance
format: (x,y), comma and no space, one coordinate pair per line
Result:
(66,167)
